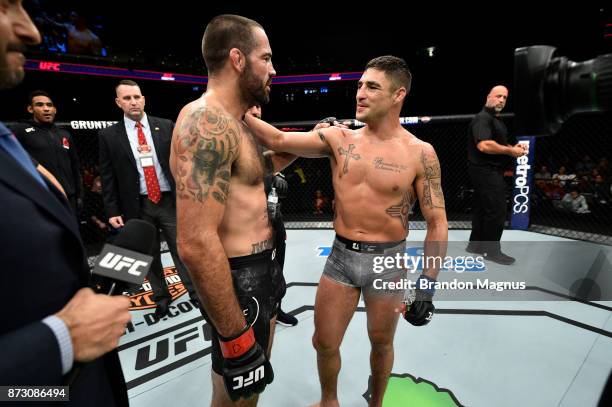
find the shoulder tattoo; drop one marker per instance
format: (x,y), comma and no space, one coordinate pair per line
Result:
(206,146)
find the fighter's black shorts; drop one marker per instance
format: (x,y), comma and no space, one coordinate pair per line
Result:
(260,286)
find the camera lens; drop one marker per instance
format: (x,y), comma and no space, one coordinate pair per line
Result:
(548,89)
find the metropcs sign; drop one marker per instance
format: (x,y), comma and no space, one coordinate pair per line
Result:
(521,198)
(523,175)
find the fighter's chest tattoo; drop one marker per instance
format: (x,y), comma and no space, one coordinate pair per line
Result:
(380,164)
(348,155)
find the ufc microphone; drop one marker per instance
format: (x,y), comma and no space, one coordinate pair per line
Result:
(129,258)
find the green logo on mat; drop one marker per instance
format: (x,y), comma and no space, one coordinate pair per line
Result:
(407,390)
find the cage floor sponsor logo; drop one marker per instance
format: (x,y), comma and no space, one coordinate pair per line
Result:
(162,351)
(406,390)
(143,299)
(323,251)
(175,311)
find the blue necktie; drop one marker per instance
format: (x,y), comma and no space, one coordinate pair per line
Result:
(9,143)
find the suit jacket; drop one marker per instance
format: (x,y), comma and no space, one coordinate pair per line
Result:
(43,265)
(118,170)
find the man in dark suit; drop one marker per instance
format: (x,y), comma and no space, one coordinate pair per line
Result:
(48,320)
(137,183)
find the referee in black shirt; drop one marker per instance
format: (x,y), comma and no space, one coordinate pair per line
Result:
(51,146)
(488,154)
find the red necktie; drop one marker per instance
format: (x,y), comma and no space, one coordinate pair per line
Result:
(153,190)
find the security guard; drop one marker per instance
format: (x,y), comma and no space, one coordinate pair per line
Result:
(488,155)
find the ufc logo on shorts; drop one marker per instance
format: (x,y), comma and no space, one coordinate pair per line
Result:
(355,246)
(429,316)
(254,376)
(118,262)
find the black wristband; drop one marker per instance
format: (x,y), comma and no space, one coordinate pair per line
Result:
(235,336)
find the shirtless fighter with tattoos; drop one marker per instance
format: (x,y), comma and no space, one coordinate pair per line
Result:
(378,173)
(224,235)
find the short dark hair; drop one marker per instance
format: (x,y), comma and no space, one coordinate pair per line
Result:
(395,68)
(127,82)
(223,33)
(35,93)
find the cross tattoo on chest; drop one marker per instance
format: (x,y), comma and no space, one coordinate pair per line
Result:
(348,155)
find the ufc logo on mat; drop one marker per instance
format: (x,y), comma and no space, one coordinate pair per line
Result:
(254,376)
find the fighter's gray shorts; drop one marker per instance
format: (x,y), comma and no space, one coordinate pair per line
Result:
(355,264)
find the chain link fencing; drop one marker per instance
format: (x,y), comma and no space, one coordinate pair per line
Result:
(574,162)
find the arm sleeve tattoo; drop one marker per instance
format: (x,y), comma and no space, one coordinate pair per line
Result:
(433,197)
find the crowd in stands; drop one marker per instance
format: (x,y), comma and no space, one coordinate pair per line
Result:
(578,187)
